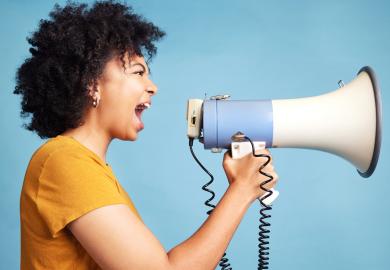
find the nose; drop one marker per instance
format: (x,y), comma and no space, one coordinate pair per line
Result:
(152,88)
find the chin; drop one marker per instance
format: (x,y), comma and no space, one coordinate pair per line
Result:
(132,136)
(128,136)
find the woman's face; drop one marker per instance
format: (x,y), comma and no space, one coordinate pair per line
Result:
(124,95)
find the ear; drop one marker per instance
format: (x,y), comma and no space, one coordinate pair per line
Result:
(94,90)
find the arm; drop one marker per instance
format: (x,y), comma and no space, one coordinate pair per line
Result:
(205,247)
(116,239)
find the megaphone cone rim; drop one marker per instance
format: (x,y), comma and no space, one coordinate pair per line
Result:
(378,130)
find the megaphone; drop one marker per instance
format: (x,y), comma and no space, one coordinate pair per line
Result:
(346,122)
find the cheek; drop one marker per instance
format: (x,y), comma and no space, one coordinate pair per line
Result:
(121,93)
(119,103)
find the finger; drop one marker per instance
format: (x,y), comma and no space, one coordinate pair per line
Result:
(266,161)
(270,164)
(269,184)
(262,152)
(269,167)
(275,177)
(269,175)
(227,154)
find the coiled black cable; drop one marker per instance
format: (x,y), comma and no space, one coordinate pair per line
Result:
(263,260)
(224,262)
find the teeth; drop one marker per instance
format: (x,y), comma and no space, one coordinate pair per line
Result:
(143,106)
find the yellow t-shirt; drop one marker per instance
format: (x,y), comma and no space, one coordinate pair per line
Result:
(64,180)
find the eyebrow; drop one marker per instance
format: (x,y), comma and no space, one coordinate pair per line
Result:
(135,63)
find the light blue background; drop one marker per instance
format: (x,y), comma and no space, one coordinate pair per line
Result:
(326,217)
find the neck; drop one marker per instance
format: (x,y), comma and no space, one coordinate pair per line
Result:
(91,137)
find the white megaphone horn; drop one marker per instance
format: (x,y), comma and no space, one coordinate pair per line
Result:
(346,122)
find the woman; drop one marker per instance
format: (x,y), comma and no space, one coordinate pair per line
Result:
(86,84)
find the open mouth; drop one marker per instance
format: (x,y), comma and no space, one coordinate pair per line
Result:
(139,109)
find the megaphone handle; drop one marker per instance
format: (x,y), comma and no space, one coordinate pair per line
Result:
(242,148)
(269,200)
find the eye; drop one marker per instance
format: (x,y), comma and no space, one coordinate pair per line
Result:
(140,72)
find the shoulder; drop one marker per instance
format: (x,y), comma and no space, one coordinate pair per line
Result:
(71,183)
(64,152)
(63,161)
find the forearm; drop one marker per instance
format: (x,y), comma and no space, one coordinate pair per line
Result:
(204,249)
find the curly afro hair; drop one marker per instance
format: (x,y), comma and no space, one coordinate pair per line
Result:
(68,54)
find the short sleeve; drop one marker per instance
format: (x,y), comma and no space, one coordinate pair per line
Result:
(72,184)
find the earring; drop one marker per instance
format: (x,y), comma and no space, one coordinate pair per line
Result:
(95,102)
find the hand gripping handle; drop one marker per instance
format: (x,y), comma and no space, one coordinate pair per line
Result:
(240,149)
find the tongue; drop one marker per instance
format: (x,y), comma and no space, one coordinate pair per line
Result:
(138,113)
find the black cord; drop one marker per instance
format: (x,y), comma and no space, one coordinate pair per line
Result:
(263,260)
(224,262)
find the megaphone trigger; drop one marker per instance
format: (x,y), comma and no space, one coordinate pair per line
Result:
(240,149)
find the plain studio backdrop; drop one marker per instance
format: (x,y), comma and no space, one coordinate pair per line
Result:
(326,217)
